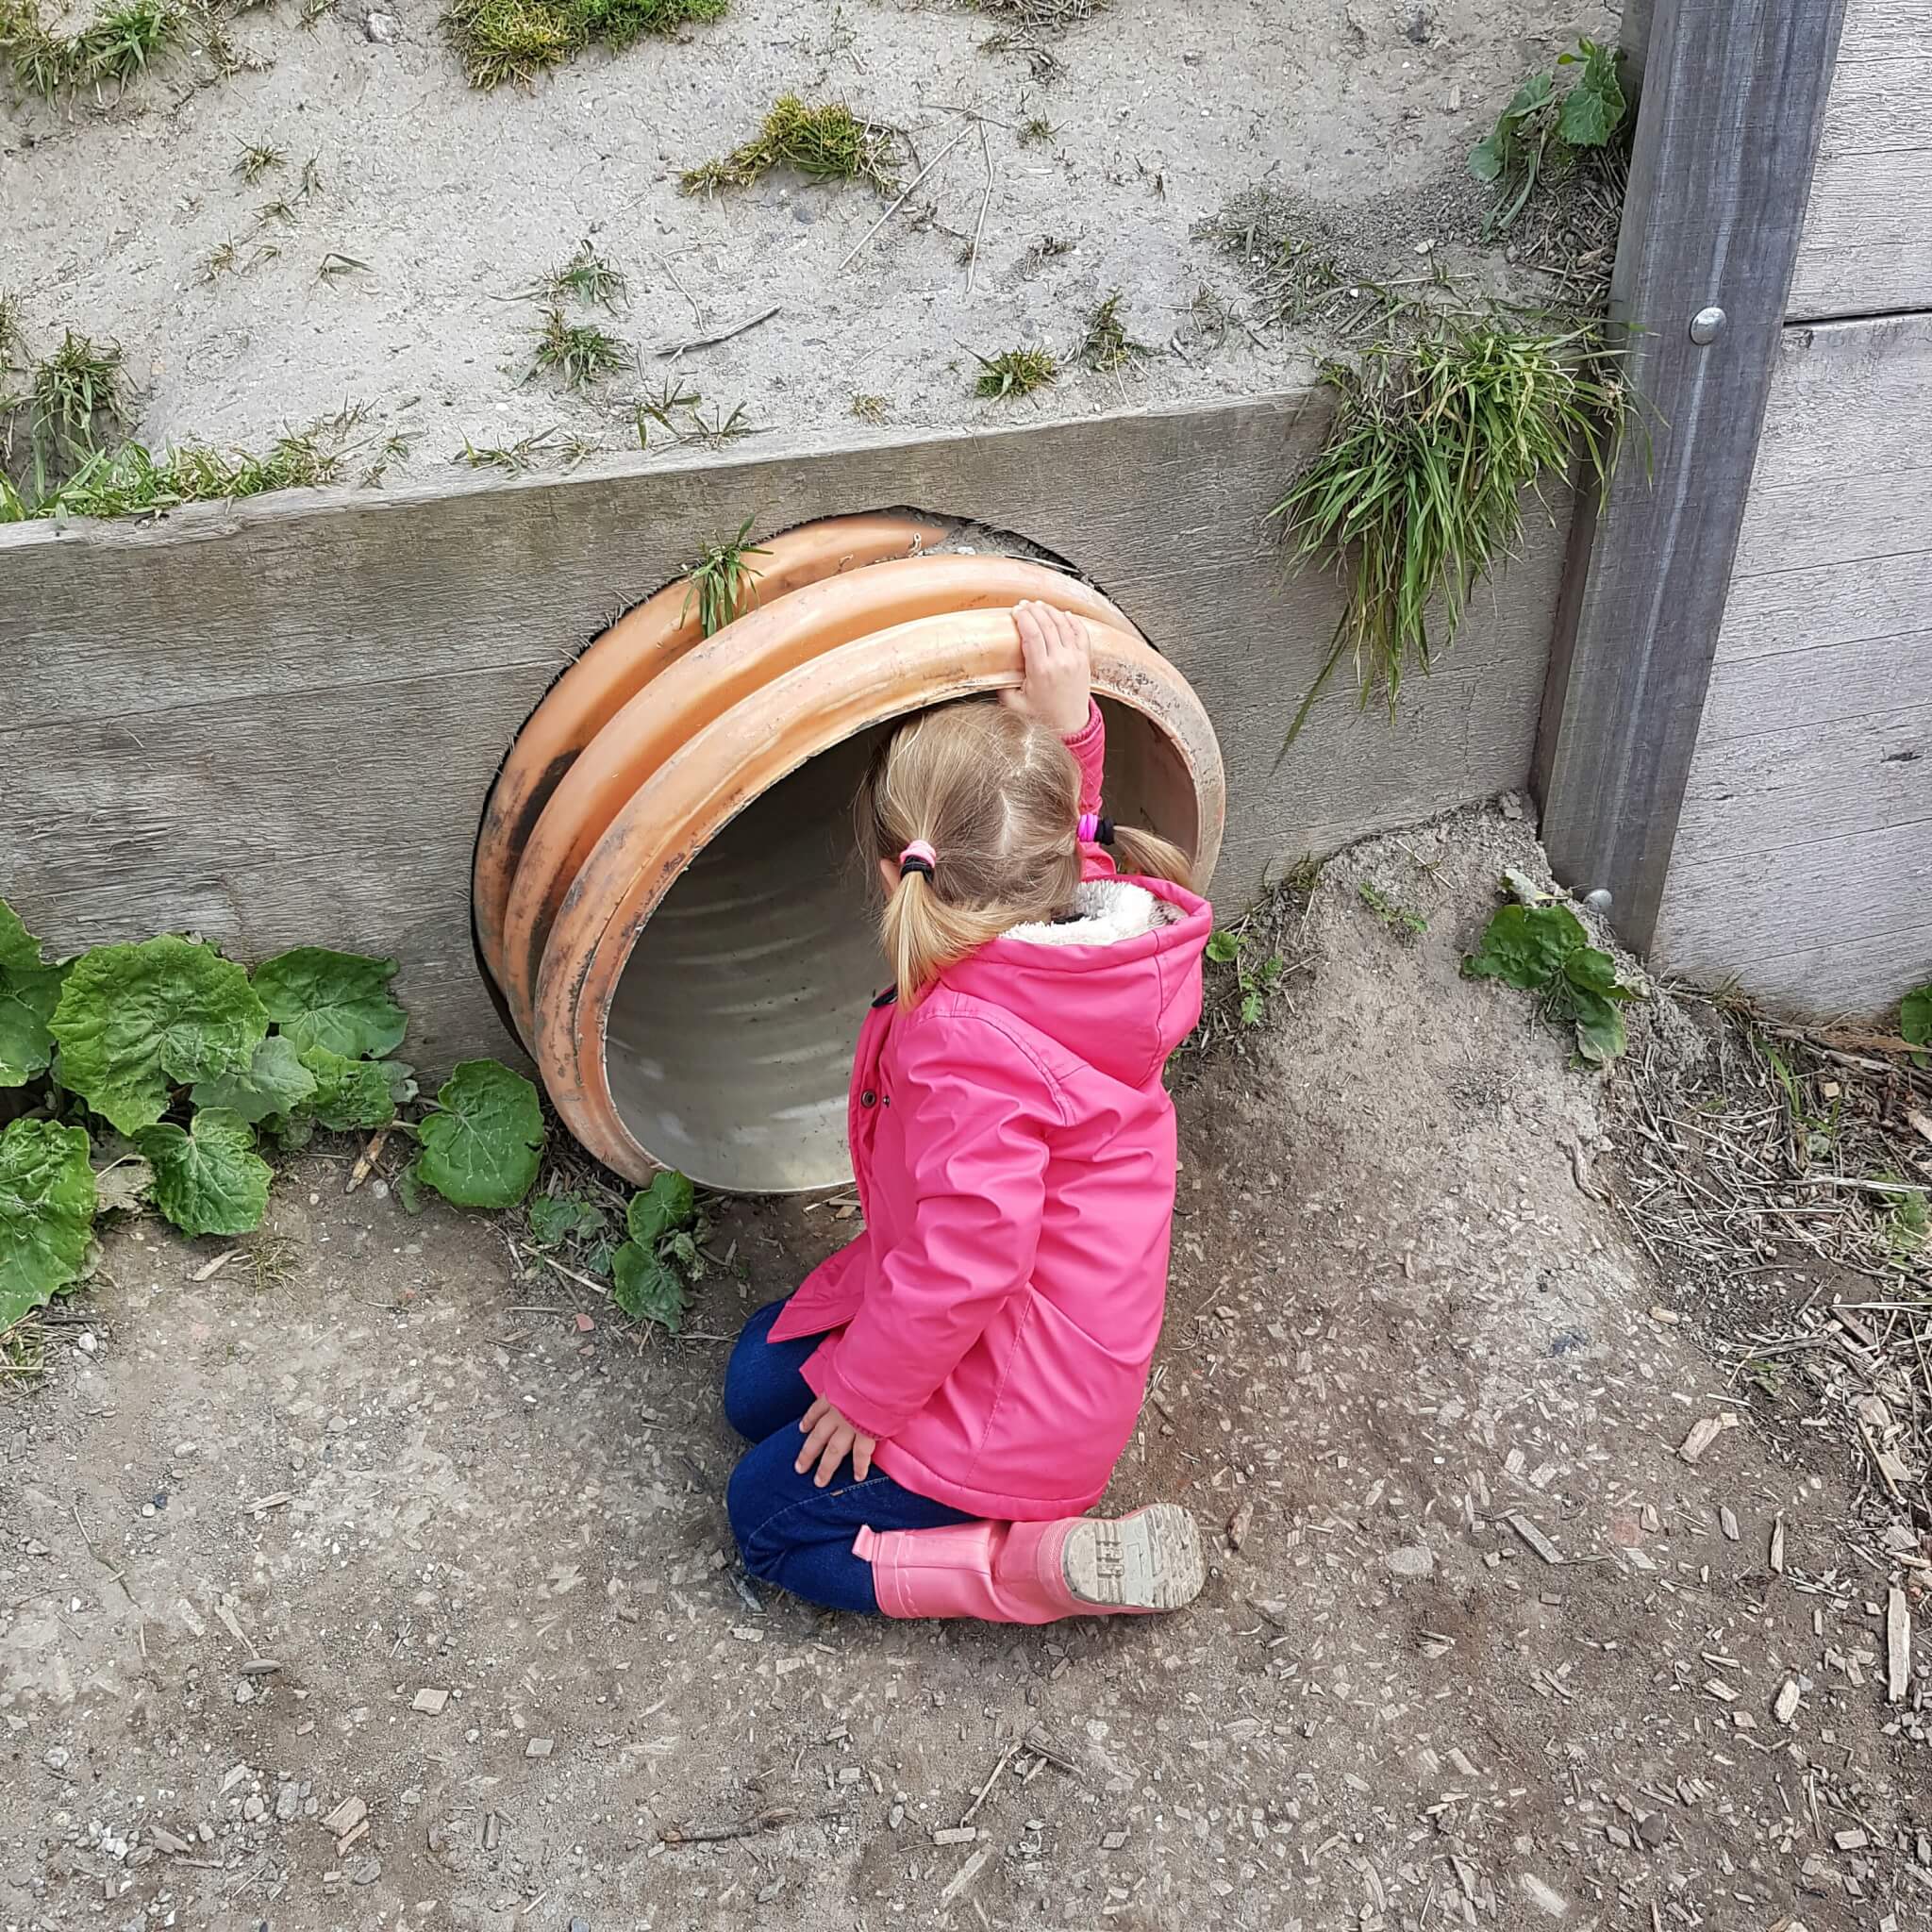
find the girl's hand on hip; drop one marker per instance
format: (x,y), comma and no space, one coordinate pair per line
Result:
(830,1439)
(1056,652)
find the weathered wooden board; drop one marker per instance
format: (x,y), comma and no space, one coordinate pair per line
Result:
(1867,245)
(1802,864)
(1721,166)
(276,722)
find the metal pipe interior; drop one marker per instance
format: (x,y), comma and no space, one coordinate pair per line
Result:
(730,1039)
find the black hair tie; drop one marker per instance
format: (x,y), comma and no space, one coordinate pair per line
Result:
(1103,832)
(918,857)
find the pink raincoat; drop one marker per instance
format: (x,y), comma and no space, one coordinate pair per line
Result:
(1014,1149)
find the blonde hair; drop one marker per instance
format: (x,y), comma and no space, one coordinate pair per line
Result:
(997,796)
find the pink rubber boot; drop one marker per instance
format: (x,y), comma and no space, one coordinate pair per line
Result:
(1038,1572)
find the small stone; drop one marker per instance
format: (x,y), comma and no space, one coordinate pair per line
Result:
(88,1343)
(1851,1840)
(57,1758)
(580,1926)
(252,1809)
(1545,1897)
(429,1701)
(1411,1559)
(289,1803)
(244,1691)
(1653,1828)
(363,1871)
(380,28)
(1113,1842)
(540,1747)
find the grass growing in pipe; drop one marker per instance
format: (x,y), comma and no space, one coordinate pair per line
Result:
(1417,492)
(723,583)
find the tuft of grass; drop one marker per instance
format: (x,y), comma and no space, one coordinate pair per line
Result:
(1417,492)
(12,336)
(656,408)
(588,277)
(77,388)
(577,352)
(278,210)
(501,40)
(657,415)
(133,480)
(224,258)
(1014,373)
(827,142)
(313,11)
(256,159)
(722,582)
(117,47)
(869,408)
(334,266)
(513,460)
(1039,132)
(1404,922)
(1106,346)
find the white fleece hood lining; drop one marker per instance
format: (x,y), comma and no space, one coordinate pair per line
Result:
(1105,912)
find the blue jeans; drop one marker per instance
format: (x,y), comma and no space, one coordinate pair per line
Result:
(789,1532)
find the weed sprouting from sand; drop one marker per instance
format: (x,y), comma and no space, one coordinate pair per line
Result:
(722,582)
(501,40)
(1014,373)
(1107,346)
(576,353)
(827,142)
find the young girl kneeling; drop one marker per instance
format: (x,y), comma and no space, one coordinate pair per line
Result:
(965,1374)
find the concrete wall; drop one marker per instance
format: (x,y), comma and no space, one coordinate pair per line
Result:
(1803,863)
(275,723)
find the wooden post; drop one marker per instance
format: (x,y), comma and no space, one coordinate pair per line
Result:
(1726,131)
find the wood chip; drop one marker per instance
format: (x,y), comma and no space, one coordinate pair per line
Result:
(1241,1523)
(349,1837)
(208,1270)
(493,1831)
(1777,1547)
(540,1747)
(1898,1646)
(956,1835)
(259,1667)
(1784,1705)
(165,1840)
(429,1701)
(1703,1434)
(1850,1839)
(966,1875)
(1534,1538)
(366,1161)
(1728,1523)
(279,1500)
(346,1816)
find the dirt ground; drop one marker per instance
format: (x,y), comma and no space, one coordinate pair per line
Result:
(456,202)
(368,1582)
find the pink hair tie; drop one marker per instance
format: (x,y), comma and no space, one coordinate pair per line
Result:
(918,857)
(1094,829)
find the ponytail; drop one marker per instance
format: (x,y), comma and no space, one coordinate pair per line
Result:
(923,935)
(1147,855)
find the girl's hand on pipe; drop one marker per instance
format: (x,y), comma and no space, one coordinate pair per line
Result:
(1056,652)
(830,1439)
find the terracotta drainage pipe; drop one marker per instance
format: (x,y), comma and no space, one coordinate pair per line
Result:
(706,680)
(665,892)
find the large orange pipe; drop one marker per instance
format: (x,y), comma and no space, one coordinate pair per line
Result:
(703,680)
(712,772)
(619,663)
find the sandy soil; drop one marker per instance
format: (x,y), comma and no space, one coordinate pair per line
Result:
(1403,1313)
(456,201)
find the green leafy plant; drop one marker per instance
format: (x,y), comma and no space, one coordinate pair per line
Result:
(1544,949)
(653,1271)
(576,353)
(1254,978)
(176,1048)
(483,1144)
(46,1213)
(827,142)
(1417,492)
(556,1219)
(722,582)
(1545,128)
(257,158)
(501,40)
(1914,1023)
(1399,919)
(586,277)
(117,46)
(1013,373)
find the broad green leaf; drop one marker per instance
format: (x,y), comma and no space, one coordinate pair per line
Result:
(1587,116)
(135,1021)
(668,1203)
(1525,945)
(1915,1016)
(1591,971)
(208,1179)
(1252,1007)
(1600,1035)
(123,1186)
(402,1081)
(337,1000)
(290,1132)
(46,1212)
(645,1288)
(1224,947)
(20,951)
(350,1095)
(564,1217)
(29,996)
(484,1145)
(1536,92)
(1486,158)
(275,1082)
